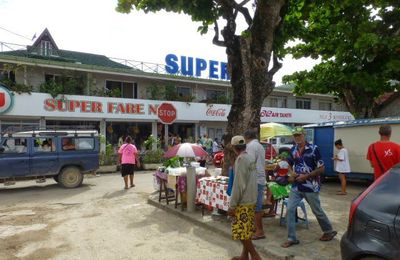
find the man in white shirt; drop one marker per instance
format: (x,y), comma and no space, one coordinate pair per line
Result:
(257,153)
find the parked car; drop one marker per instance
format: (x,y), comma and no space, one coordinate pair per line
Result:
(63,155)
(270,153)
(374,221)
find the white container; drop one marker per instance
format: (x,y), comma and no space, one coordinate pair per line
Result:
(216,172)
(195,164)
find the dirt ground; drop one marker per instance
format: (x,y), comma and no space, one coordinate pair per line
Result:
(99,220)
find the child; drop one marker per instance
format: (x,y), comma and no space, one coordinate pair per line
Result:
(282,170)
(342,165)
(279,188)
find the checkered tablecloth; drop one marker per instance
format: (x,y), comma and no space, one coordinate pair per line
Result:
(213,193)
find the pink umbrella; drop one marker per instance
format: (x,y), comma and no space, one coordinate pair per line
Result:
(185,150)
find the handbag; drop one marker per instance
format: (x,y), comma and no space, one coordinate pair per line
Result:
(377,159)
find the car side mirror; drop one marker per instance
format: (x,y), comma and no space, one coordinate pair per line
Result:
(1,149)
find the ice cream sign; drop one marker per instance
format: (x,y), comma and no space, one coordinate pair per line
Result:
(6,99)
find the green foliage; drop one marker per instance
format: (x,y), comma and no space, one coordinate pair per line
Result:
(148,144)
(155,92)
(173,162)
(63,85)
(205,11)
(153,156)
(52,88)
(358,43)
(116,92)
(18,88)
(10,84)
(109,157)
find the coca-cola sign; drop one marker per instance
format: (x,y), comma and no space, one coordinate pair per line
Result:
(215,112)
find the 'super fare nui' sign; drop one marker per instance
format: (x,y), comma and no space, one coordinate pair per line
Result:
(196,67)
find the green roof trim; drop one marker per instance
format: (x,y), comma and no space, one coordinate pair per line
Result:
(71,57)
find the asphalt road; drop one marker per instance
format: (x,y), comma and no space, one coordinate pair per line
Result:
(99,220)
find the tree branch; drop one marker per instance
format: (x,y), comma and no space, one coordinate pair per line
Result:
(276,66)
(216,40)
(244,11)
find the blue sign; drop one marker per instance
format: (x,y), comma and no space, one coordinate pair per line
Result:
(196,67)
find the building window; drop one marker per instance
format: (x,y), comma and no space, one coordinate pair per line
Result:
(7,76)
(303,103)
(50,77)
(46,49)
(215,94)
(184,91)
(122,89)
(278,102)
(324,105)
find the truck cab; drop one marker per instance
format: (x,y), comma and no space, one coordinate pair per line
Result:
(282,143)
(63,155)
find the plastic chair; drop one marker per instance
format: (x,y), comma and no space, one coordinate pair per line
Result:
(299,220)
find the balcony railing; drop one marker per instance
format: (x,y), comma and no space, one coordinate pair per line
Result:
(143,66)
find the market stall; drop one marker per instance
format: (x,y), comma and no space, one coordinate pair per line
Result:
(212,192)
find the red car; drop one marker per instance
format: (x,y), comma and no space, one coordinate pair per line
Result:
(270,153)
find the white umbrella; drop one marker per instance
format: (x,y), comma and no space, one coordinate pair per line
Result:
(185,150)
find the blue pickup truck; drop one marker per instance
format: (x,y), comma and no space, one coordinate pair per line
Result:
(62,155)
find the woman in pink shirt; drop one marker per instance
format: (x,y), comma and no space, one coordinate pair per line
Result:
(127,157)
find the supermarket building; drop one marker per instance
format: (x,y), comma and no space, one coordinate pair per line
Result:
(120,97)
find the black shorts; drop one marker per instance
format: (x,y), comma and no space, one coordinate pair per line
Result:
(127,169)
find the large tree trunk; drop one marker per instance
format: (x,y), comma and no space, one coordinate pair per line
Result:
(249,59)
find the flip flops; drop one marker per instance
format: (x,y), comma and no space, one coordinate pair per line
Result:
(269,215)
(328,236)
(290,243)
(257,237)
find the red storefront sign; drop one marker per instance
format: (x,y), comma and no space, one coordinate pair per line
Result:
(2,99)
(167,113)
(6,99)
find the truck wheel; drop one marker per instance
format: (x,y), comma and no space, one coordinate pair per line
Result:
(70,177)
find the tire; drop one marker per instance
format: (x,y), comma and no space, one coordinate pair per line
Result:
(371,257)
(70,177)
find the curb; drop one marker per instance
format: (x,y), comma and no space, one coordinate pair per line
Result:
(269,254)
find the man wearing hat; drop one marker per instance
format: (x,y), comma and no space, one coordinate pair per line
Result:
(306,161)
(243,199)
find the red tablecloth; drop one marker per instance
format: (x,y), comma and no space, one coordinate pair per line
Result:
(213,193)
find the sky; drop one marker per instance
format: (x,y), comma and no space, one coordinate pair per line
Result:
(94,26)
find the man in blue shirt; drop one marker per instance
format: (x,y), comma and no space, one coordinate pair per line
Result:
(307,165)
